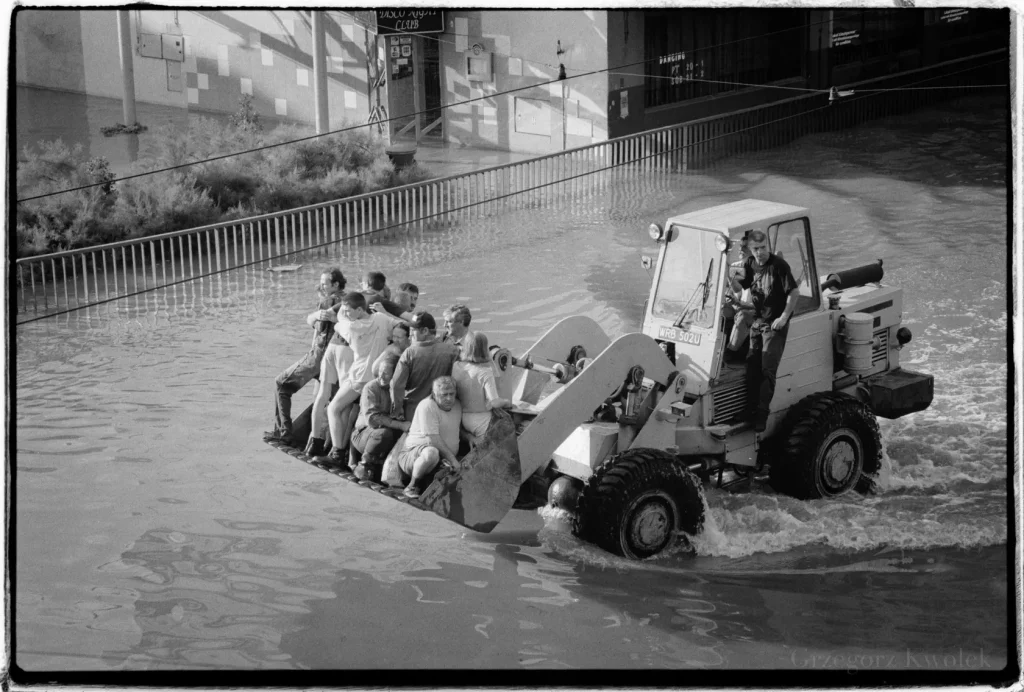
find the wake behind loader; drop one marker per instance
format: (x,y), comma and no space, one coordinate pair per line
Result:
(624,433)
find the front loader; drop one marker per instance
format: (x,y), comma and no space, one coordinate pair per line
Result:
(624,433)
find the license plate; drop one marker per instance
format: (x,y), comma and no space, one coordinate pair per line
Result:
(673,334)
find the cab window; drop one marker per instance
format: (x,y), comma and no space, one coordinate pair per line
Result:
(791,240)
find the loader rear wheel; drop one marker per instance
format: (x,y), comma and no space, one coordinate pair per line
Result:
(637,501)
(829,447)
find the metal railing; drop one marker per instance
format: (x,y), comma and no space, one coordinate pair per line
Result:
(69,280)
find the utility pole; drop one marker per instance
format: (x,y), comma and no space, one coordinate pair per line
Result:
(320,73)
(124,36)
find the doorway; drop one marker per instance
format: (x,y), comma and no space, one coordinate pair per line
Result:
(431,89)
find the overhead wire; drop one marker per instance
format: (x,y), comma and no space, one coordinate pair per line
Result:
(405,116)
(489,200)
(298,140)
(692,50)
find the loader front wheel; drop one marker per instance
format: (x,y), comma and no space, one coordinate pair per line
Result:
(637,502)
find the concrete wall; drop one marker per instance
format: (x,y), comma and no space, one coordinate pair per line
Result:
(48,49)
(102,62)
(524,45)
(265,53)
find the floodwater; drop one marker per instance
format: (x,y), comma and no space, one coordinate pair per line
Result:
(156,531)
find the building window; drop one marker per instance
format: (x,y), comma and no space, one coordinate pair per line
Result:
(695,53)
(960,32)
(860,36)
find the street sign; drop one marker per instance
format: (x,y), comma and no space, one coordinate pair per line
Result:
(413,21)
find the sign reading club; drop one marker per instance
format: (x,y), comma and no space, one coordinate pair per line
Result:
(410,21)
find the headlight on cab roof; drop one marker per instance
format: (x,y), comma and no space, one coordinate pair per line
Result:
(656,232)
(722,243)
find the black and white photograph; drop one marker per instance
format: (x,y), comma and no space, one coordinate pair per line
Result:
(632,345)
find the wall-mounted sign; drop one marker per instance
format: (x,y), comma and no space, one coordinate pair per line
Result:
(406,51)
(405,39)
(480,65)
(845,38)
(395,52)
(410,21)
(401,67)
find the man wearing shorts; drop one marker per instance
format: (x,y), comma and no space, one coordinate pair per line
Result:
(367,334)
(433,435)
(334,369)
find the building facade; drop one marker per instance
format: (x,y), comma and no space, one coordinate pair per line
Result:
(199,60)
(490,78)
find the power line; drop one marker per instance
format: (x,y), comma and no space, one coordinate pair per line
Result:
(818,91)
(417,114)
(484,201)
(692,50)
(717,81)
(384,120)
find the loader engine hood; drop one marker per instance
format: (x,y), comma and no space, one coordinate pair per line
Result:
(685,306)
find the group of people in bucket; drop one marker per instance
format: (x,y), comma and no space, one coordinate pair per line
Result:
(398,383)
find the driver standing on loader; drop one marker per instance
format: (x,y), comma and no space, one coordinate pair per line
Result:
(774,293)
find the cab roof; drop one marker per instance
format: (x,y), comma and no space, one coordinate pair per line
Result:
(735,217)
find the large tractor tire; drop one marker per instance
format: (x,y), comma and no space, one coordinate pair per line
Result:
(637,501)
(828,446)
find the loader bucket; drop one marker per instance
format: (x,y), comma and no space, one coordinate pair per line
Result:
(482,492)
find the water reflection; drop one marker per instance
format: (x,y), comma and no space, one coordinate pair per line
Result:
(215,601)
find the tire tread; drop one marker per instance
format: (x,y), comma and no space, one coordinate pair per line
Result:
(792,470)
(607,493)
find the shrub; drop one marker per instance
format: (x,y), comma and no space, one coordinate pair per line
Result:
(227,183)
(67,220)
(284,177)
(146,207)
(246,119)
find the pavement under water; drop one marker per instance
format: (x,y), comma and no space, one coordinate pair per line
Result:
(156,531)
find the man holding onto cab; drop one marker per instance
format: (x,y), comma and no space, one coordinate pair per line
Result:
(774,293)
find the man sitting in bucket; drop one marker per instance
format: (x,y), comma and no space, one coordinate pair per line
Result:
(433,435)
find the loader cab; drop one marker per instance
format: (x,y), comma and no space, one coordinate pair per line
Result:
(684,312)
(684,309)
(791,240)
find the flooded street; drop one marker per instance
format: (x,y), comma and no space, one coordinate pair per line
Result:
(155,530)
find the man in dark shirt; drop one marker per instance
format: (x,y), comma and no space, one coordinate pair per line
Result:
(376,431)
(419,365)
(774,293)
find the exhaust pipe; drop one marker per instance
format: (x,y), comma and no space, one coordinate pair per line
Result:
(869,273)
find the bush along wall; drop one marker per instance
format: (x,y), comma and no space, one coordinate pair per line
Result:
(275,179)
